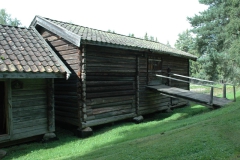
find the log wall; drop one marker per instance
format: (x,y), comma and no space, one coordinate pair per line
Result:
(68,93)
(110,85)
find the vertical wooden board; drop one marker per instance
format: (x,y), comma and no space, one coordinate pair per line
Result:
(30,98)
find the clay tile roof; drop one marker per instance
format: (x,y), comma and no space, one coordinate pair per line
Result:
(22,50)
(94,36)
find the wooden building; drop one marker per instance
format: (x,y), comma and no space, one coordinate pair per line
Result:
(110,73)
(27,69)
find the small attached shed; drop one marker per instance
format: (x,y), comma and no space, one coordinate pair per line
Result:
(111,72)
(27,70)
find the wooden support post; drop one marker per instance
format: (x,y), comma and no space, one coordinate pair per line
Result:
(234,93)
(79,90)
(137,85)
(83,78)
(9,108)
(169,75)
(50,105)
(211,96)
(224,91)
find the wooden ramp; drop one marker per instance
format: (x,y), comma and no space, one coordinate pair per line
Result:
(200,98)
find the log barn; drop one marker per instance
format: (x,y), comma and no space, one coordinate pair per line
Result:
(110,73)
(28,67)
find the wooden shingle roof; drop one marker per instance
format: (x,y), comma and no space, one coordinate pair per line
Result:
(77,35)
(24,52)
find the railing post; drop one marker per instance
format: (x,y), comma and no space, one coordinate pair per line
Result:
(234,93)
(211,96)
(224,91)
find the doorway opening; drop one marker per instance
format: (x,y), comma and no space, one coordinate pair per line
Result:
(3,112)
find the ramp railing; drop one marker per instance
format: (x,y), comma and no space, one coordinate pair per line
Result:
(203,82)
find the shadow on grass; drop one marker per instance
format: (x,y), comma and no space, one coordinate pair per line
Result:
(152,125)
(64,136)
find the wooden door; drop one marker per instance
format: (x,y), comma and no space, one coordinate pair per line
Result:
(3,112)
(154,67)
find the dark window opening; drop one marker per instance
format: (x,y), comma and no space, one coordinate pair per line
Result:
(3,127)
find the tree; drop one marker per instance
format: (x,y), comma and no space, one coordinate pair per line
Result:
(131,35)
(168,44)
(146,36)
(217,37)
(109,31)
(6,19)
(187,43)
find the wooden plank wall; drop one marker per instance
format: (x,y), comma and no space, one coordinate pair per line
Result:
(67,92)
(29,109)
(110,81)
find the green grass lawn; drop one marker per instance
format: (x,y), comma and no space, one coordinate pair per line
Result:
(193,132)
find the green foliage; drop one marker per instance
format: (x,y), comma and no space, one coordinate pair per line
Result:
(150,38)
(217,39)
(168,44)
(187,42)
(111,31)
(6,19)
(131,35)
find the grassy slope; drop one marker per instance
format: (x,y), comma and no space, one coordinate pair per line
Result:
(187,133)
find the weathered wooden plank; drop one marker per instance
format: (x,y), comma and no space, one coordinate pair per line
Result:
(110,94)
(28,108)
(109,78)
(29,102)
(58,42)
(30,117)
(109,88)
(107,120)
(65,47)
(112,104)
(68,57)
(107,83)
(27,134)
(192,96)
(106,100)
(16,93)
(19,115)
(112,65)
(69,51)
(106,70)
(36,96)
(30,123)
(120,109)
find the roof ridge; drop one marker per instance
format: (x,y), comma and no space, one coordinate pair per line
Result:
(110,39)
(108,32)
(6,25)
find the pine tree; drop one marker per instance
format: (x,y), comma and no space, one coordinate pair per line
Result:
(146,36)
(217,37)
(6,19)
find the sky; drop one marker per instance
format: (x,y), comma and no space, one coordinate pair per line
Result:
(163,19)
